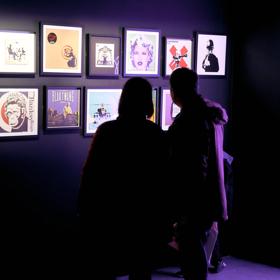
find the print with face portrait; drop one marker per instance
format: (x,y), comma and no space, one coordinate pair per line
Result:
(18,112)
(142,51)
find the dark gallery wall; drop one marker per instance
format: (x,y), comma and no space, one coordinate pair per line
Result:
(256,117)
(40,176)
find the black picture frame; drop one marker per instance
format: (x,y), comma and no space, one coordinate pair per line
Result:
(62,108)
(61,50)
(104,56)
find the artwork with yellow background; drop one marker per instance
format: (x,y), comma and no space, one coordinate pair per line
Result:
(62,48)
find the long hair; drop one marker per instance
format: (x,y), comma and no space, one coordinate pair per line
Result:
(136,98)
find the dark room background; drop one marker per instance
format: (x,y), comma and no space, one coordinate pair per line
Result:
(40,176)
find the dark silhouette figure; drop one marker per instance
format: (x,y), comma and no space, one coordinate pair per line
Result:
(121,202)
(200,198)
(210,62)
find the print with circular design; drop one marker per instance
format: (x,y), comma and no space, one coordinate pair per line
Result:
(52,38)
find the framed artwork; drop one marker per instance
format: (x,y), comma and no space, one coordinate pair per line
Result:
(18,112)
(169,110)
(101,106)
(154,117)
(104,56)
(63,107)
(18,54)
(61,50)
(141,52)
(178,53)
(211,54)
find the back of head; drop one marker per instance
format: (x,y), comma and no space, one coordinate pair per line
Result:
(136,99)
(183,83)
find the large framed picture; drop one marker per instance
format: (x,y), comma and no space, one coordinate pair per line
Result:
(103,56)
(211,53)
(61,50)
(169,110)
(178,54)
(18,112)
(101,106)
(141,52)
(18,54)
(63,107)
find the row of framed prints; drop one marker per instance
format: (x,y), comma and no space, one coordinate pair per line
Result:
(65,109)
(61,49)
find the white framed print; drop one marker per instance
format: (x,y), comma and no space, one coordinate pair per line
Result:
(61,50)
(141,52)
(101,106)
(17,51)
(211,51)
(169,110)
(178,54)
(18,112)
(103,56)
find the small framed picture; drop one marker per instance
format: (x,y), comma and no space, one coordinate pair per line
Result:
(103,56)
(18,112)
(169,110)
(154,117)
(178,54)
(63,107)
(141,52)
(101,106)
(211,53)
(61,50)
(18,55)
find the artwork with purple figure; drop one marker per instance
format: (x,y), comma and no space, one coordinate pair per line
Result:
(61,50)
(63,108)
(141,52)
(169,110)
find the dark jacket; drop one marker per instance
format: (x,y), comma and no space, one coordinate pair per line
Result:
(121,197)
(194,161)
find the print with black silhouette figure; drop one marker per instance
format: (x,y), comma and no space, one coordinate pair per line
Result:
(210,62)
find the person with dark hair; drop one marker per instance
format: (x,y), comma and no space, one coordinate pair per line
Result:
(194,169)
(121,201)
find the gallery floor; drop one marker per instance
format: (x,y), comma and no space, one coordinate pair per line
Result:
(236,269)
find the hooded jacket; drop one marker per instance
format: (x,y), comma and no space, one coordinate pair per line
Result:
(196,160)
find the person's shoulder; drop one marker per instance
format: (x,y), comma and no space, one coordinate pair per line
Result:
(107,126)
(153,126)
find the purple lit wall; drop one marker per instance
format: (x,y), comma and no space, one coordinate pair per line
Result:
(40,177)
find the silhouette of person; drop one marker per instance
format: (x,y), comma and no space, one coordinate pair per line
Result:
(210,62)
(194,172)
(120,201)
(141,53)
